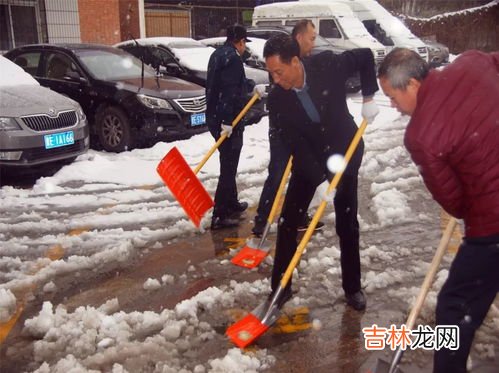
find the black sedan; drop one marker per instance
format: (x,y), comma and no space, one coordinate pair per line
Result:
(126,103)
(188,59)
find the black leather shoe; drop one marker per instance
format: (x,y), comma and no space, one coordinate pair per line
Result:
(240,207)
(357,300)
(259,227)
(220,223)
(303,227)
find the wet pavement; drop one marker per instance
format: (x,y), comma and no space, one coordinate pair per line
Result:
(322,336)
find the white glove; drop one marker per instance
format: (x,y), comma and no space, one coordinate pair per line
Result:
(261,90)
(325,196)
(225,129)
(369,111)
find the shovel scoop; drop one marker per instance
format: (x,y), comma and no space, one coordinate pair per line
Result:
(252,254)
(182,181)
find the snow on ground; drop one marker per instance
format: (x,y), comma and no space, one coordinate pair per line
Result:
(104,208)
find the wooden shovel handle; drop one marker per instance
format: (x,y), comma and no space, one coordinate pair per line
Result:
(278,195)
(444,241)
(222,138)
(322,206)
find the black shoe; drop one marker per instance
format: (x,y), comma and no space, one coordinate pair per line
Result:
(357,300)
(236,212)
(259,227)
(240,207)
(285,296)
(303,227)
(220,223)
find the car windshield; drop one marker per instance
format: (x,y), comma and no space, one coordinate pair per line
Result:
(321,42)
(110,65)
(353,28)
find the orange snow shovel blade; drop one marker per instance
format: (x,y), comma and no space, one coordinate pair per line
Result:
(254,324)
(184,185)
(250,328)
(251,255)
(183,182)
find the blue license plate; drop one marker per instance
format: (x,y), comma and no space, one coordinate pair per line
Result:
(198,119)
(57,140)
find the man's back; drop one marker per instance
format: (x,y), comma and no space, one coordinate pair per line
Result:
(225,85)
(454,136)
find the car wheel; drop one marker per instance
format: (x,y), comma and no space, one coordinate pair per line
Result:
(113,129)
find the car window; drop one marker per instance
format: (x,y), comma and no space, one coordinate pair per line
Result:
(269,23)
(29,62)
(58,65)
(329,29)
(107,65)
(164,56)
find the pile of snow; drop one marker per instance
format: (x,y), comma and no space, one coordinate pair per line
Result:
(7,305)
(94,338)
(14,75)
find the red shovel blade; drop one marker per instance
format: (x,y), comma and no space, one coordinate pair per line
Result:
(184,185)
(246,330)
(248,257)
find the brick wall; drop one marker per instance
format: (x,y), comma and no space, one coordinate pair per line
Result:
(129,19)
(109,21)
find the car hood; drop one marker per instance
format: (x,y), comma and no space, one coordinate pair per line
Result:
(17,101)
(259,76)
(167,87)
(366,42)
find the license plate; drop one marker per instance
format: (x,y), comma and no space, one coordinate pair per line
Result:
(198,119)
(57,140)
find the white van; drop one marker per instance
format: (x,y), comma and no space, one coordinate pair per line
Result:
(381,24)
(335,22)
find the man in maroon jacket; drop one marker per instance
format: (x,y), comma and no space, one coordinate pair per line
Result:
(453,137)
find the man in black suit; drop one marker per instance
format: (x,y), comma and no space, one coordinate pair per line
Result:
(304,33)
(308,106)
(226,95)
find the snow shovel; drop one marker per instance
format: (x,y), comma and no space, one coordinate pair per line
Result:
(392,367)
(252,255)
(249,328)
(182,181)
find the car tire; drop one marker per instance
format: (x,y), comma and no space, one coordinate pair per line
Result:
(114,130)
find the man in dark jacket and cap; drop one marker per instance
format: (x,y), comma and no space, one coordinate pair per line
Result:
(226,94)
(453,137)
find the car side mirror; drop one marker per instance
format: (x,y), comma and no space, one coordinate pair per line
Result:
(74,76)
(253,62)
(173,69)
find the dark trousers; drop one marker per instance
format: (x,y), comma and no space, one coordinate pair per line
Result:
(279,156)
(226,193)
(298,197)
(465,298)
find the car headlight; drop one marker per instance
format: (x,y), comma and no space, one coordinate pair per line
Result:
(81,114)
(8,124)
(154,102)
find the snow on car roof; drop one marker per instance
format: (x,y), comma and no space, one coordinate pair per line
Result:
(191,53)
(13,75)
(170,42)
(256,45)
